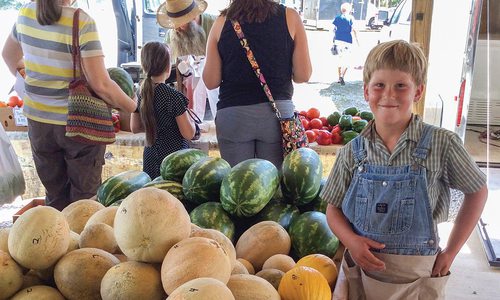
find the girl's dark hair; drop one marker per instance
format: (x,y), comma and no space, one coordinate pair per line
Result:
(155,59)
(48,11)
(250,11)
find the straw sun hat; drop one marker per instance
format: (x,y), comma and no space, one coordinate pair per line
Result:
(174,13)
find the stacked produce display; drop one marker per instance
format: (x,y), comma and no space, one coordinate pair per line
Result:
(203,230)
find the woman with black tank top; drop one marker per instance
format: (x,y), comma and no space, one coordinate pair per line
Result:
(246,125)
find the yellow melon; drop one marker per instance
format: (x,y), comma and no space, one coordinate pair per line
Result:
(323,264)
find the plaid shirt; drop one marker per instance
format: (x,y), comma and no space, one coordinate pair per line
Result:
(448,166)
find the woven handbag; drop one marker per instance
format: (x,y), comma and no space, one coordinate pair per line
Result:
(89,117)
(292,131)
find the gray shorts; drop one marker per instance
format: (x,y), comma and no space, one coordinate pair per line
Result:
(251,131)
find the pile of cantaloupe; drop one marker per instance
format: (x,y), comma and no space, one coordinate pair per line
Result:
(147,248)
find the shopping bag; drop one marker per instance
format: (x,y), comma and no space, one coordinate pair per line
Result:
(12,182)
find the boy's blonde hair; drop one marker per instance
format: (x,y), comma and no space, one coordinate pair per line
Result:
(397,55)
(345,8)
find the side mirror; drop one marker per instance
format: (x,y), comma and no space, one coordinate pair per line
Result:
(387,22)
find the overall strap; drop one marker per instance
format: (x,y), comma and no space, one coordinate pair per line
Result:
(424,144)
(358,150)
(255,66)
(75,44)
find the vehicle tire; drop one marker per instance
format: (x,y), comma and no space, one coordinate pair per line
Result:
(371,23)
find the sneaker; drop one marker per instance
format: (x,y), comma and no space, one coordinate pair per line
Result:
(341,81)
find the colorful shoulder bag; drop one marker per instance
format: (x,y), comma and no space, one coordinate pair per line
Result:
(293,133)
(89,117)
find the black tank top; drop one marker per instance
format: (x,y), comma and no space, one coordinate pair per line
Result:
(272,47)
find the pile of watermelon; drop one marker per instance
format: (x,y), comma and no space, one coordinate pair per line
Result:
(231,200)
(337,128)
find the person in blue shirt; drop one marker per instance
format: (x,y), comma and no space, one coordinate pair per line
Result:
(343,32)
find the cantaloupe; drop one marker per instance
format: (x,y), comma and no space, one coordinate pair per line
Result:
(79,212)
(105,215)
(39,237)
(239,268)
(273,276)
(148,222)
(98,235)
(218,236)
(248,265)
(262,241)
(31,279)
(280,262)
(73,241)
(38,292)
(4,239)
(79,273)
(132,280)
(251,287)
(202,289)
(11,276)
(192,258)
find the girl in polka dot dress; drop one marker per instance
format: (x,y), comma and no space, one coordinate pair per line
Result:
(161,111)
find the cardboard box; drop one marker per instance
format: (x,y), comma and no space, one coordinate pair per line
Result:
(9,122)
(31,204)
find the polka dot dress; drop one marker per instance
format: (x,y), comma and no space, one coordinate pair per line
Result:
(168,104)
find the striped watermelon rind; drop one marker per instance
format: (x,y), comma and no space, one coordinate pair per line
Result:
(173,187)
(311,234)
(123,79)
(211,215)
(301,176)
(174,166)
(248,187)
(203,179)
(119,186)
(279,212)
(317,204)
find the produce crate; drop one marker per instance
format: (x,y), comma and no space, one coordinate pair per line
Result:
(31,204)
(9,120)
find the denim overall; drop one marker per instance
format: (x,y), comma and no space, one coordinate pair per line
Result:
(391,206)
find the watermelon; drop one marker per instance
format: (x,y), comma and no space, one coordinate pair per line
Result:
(119,186)
(203,179)
(173,187)
(123,79)
(279,212)
(248,187)
(311,234)
(301,176)
(212,215)
(318,204)
(174,166)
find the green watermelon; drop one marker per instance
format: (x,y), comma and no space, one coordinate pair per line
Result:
(318,204)
(203,179)
(311,234)
(279,212)
(121,185)
(173,187)
(212,215)
(123,79)
(174,166)
(248,187)
(301,176)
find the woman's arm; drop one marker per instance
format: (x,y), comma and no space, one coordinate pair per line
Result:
(212,73)
(301,61)
(12,54)
(136,123)
(186,125)
(99,80)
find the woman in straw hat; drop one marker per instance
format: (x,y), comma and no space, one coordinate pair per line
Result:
(247,126)
(189,26)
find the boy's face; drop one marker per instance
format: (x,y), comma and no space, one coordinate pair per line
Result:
(391,94)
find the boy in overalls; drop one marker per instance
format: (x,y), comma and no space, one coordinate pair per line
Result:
(390,187)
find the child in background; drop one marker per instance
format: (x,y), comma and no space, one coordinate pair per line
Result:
(390,187)
(161,110)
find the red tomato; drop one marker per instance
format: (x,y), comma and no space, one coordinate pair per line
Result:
(311,136)
(20,103)
(13,100)
(303,113)
(324,121)
(316,130)
(305,123)
(324,138)
(336,129)
(313,113)
(325,128)
(315,123)
(336,138)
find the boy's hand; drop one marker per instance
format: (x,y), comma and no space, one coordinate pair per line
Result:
(360,247)
(443,263)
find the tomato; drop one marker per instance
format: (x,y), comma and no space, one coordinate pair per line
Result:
(313,113)
(305,123)
(20,103)
(336,129)
(336,138)
(324,138)
(311,136)
(303,113)
(324,121)
(316,130)
(315,123)
(13,100)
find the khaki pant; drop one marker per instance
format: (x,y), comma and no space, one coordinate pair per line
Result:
(68,170)
(405,277)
